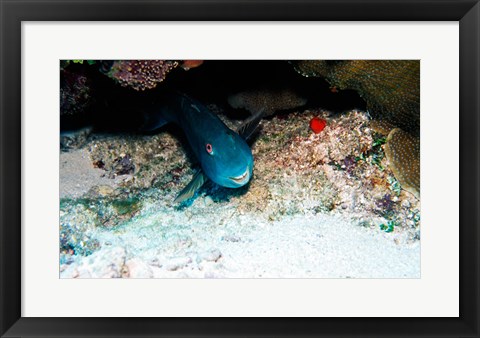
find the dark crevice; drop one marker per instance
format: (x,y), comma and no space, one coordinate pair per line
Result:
(115,108)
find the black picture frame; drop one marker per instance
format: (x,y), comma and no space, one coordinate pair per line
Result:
(13,12)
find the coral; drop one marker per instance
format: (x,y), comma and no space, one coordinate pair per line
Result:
(75,92)
(267,101)
(312,150)
(381,127)
(139,74)
(157,160)
(385,206)
(189,64)
(391,88)
(317,124)
(297,165)
(403,153)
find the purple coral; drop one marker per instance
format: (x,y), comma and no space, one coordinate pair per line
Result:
(385,206)
(349,164)
(140,74)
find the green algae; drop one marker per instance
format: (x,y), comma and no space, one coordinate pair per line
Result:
(394,185)
(129,206)
(375,154)
(389,227)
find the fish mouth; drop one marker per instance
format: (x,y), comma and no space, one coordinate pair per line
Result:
(242,179)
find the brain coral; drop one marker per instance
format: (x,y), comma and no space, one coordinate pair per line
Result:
(403,153)
(391,88)
(140,74)
(266,100)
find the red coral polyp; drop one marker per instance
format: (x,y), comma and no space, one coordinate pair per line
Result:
(317,124)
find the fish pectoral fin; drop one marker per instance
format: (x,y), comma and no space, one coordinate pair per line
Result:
(196,183)
(247,128)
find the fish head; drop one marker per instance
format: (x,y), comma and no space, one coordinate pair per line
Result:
(226,158)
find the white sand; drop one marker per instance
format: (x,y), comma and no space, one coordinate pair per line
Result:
(202,242)
(78,175)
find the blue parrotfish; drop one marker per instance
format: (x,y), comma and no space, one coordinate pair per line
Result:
(224,155)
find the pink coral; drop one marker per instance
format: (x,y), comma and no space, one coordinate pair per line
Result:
(140,74)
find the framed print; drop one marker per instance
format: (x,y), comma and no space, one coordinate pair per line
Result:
(239,168)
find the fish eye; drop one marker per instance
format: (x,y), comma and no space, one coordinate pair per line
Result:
(209,148)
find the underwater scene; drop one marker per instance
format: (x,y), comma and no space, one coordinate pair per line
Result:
(239,169)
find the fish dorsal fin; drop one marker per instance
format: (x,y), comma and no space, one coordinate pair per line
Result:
(196,183)
(152,121)
(247,128)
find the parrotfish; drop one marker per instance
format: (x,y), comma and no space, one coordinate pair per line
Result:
(224,155)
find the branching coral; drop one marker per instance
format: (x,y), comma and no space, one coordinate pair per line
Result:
(140,74)
(266,100)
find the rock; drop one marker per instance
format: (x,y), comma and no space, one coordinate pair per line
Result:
(231,238)
(104,190)
(138,269)
(208,201)
(107,263)
(176,263)
(211,255)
